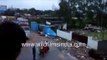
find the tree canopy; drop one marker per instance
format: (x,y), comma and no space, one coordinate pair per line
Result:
(85,12)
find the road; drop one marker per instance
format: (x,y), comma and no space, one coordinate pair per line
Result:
(53,54)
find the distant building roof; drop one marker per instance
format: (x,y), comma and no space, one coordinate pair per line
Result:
(52,18)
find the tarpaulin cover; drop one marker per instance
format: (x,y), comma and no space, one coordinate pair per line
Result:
(48,31)
(34,26)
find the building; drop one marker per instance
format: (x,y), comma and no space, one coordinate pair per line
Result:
(3,8)
(55,23)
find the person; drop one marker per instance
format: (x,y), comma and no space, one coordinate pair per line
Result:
(11,37)
(44,49)
(34,52)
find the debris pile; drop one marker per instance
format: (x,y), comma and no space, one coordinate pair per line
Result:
(81,53)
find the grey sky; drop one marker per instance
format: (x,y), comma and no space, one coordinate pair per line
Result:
(37,4)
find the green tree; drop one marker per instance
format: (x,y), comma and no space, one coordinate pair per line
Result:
(65,11)
(23,11)
(70,9)
(9,12)
(32,11)
(18,10)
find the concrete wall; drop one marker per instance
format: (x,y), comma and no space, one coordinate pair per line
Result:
(102,46)
(92,43)
(98,45)
(80,38)
(64,34)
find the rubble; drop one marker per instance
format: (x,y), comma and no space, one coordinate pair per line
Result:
(81,53)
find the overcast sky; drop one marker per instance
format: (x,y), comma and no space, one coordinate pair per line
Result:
(37,4)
